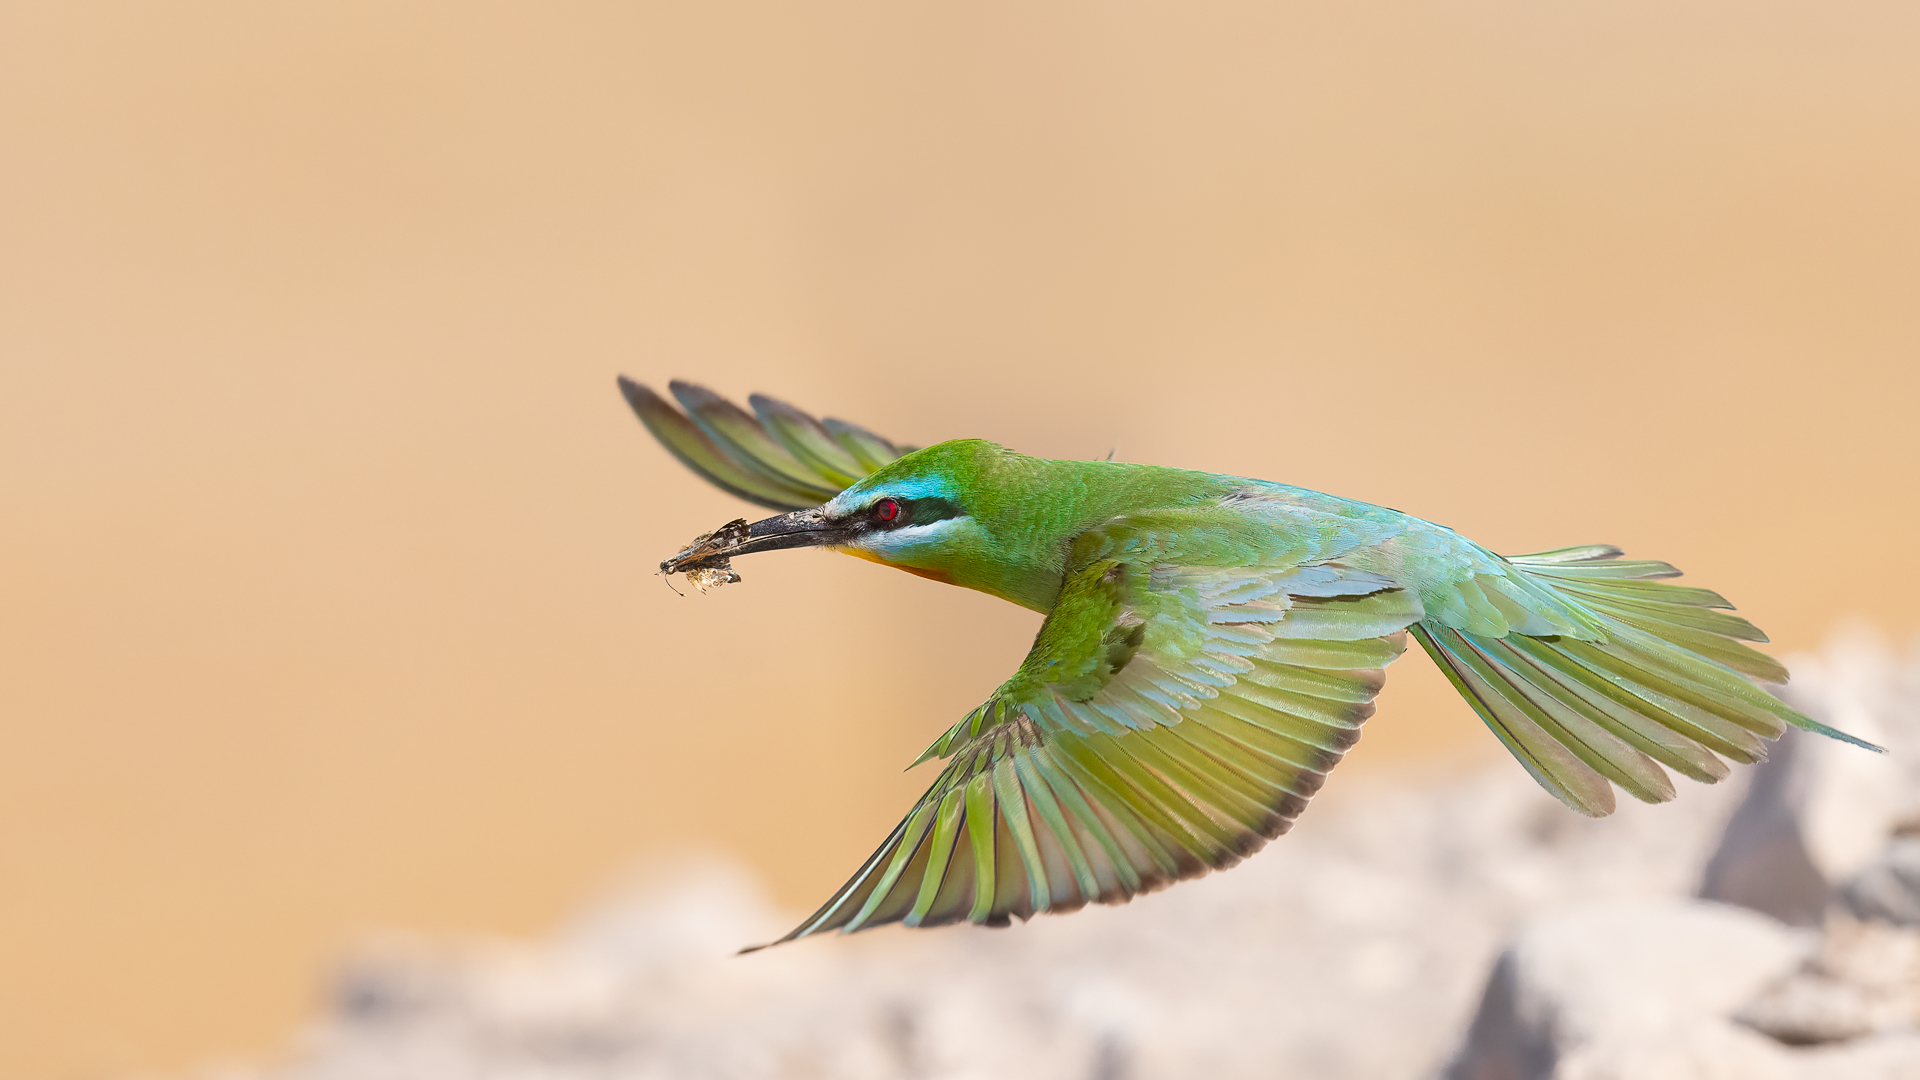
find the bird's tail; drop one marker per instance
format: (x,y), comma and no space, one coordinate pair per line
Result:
(1668,684)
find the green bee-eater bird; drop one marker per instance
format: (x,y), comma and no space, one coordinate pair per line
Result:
(1210,649)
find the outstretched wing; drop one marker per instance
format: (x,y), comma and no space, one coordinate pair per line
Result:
(777,456)
(1169,720)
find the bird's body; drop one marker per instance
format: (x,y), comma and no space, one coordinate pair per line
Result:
(1024,513)
(1211,646)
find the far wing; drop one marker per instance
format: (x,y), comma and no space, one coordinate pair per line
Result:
(776,456)
(1169,720)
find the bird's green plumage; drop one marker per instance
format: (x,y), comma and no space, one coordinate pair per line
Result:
(1011,544)
(1211,647)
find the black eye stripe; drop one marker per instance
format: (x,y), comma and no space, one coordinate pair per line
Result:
(891,512)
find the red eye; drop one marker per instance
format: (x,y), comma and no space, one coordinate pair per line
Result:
(885,510)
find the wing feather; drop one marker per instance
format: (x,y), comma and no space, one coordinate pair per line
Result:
(735,430)
(777,456)
(809,442)
(685,440)
(867,448)
(1206,744)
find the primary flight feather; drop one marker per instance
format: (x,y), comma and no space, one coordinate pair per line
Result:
(1212,645)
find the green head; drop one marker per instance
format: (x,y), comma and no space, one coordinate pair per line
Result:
(942,512)
(945,512)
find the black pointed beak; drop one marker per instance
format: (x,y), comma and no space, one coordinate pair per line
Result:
(802,528)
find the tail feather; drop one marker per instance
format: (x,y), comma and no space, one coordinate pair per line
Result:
(1642,569)
(1627,715)
(1668,684)
(1671,705)
(1581,554)
(1640,610)
(1552,734)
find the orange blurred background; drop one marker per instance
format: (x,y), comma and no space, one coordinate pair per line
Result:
(325,539)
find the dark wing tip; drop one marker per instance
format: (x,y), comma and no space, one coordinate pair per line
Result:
(692,396)
(722,466)
(767,403)
(649,406)
(636,393)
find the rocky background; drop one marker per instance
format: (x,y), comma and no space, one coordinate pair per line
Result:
(1472,930)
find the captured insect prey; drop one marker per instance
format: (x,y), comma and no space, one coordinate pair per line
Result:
(701,561)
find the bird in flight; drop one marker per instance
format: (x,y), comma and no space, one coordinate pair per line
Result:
(1211,647)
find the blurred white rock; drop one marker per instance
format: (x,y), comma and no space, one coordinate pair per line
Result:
(1356,947)
(1863,979)
(1629,990)
(1352,948)
(1688,990)
(1695,990)
(1853,801)
(1819,812)
(1888,888)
